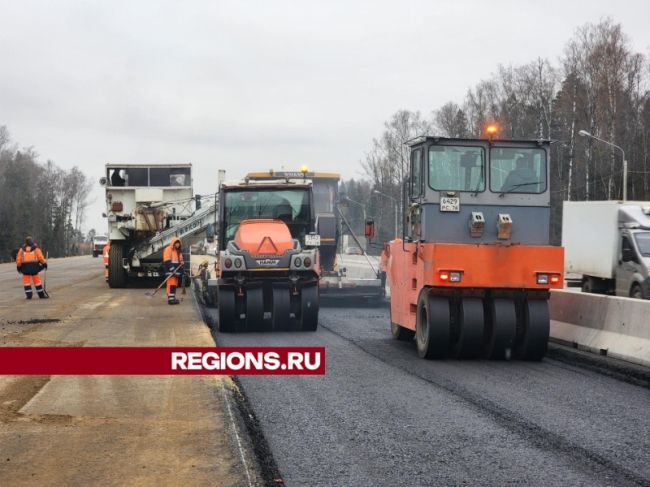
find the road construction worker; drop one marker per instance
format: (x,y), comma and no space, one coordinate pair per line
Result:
(29,262)
(105,252)
(173,262)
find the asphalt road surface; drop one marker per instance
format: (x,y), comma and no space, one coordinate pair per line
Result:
(382,416)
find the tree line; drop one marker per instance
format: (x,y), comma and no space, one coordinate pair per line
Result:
(599,85)
(41,200)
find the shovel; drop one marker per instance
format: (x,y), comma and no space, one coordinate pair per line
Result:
(47,257)
(152,294)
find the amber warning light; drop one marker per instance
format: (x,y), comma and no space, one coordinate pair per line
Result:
(491,130)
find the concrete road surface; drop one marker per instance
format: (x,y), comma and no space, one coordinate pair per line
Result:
(383,417)
(111,430)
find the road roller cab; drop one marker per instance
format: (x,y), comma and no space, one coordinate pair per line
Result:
(267,268)
(472,274)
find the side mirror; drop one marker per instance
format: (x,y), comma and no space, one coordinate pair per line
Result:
(370,228)
(103,181)
(628,255)
(209,233)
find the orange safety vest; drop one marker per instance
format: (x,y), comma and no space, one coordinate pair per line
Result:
(105,252)
(172,257)
(28,260)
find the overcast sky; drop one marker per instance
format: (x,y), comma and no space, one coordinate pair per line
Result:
(256,85)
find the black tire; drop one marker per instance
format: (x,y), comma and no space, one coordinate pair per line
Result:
(309,304)
(401,333)
(94,254)
(432,326)
(469,343)
(636,292)
(117,277)
(535,325)
(254,309)
(281,308)
(500,329)
(228,320)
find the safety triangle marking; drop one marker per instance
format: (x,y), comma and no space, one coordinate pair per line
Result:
(265,250)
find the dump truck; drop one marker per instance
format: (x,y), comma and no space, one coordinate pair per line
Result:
(472,273)
(337,280)
(266,272)
(607,245)
(146,207)
(99,241)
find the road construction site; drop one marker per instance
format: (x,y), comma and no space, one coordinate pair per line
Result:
(380,415)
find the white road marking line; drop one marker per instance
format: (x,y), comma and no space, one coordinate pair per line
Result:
(234,427)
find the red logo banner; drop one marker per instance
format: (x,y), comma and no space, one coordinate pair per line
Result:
(162,360)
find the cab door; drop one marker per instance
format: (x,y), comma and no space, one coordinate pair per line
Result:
(627,264)
(414,211)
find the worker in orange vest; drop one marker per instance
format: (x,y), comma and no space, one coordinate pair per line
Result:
(105,252)
(172,259)
(29,262)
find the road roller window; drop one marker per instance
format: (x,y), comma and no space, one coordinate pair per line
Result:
(416,173)
(456,168)
(517,170)
(290,206)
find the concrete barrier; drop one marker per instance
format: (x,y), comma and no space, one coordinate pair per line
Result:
(619,326)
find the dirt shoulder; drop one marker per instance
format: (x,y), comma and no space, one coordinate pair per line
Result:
(112,430)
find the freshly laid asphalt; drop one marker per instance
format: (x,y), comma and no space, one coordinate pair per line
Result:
(383,416)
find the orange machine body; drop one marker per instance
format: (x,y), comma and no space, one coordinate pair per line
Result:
(501,268)
(264,237)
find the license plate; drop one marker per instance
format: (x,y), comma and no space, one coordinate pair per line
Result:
(449,204)
(312,240)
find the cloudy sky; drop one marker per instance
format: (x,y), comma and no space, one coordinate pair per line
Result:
(243,85)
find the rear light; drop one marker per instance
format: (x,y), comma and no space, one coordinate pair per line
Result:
(227,263)
(307,262)
(238,263)
(116,206)
(548,278)
(450,276)
(297,262)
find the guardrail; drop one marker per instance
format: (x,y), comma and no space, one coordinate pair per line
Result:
(616,326)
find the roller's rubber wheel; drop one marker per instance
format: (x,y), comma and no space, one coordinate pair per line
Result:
(533,342)
(500,329)
(309,308)
(469,343)
(281,308)
(254,309)
(211,298)
(116,273)
(401,333)
(228,320)
(432,326)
